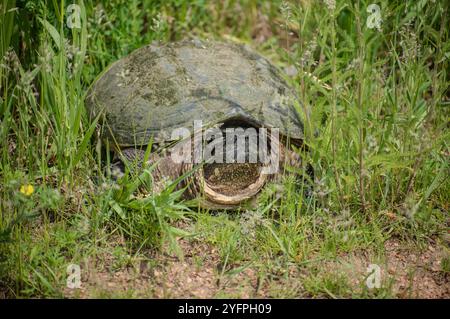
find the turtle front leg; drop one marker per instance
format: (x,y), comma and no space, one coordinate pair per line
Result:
(164,168)
(292,163)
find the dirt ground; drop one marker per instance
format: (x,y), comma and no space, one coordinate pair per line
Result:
(412,275)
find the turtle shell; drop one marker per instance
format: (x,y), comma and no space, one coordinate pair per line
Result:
(162,87)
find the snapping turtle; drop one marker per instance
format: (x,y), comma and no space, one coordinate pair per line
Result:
(160,89)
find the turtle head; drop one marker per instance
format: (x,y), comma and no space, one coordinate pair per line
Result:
(234,169)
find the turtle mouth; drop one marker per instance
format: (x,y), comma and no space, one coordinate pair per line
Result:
(231,183)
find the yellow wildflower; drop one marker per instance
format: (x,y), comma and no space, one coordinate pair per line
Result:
(27,190)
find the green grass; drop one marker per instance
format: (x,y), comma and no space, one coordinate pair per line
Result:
(376,130)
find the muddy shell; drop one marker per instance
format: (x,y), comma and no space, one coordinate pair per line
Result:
(161,87)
